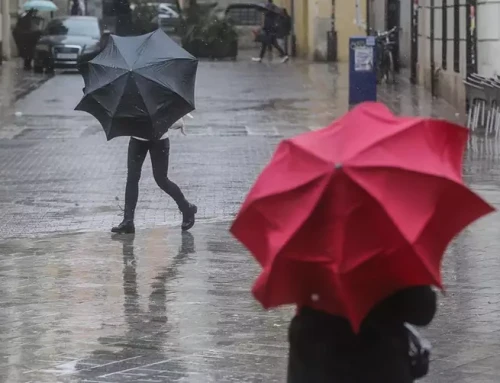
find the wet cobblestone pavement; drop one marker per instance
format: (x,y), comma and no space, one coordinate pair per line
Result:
(61,174)
(78,305)
(16,83)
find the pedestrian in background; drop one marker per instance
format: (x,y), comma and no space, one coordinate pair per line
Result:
(26,34)
(123,13)
(324,348)
(285,29)
(77,8)
(270,32)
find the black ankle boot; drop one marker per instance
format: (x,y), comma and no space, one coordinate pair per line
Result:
(188,217)
(126,227)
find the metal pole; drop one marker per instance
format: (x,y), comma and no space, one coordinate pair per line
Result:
(368,17)
(471,40)
(293,41)
(414,40)
(6,53)
(432,60)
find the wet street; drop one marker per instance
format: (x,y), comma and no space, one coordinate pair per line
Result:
(79,305)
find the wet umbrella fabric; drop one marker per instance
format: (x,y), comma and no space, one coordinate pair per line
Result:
(345,216)
(139,86)
(269,8)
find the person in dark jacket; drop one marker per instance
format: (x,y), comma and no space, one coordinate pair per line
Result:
(123,12)
(324,348)
(270,32)
(285,29)
(26,34)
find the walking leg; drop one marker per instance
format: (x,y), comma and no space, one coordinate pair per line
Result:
(27,63)
(160,152)
(137,151)
(263,50)
(274,43)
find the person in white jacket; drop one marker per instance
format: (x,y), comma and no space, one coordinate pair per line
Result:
(159,151)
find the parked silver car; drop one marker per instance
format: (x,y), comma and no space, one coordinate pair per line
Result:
(65,40)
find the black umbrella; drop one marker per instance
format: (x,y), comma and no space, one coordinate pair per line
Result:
(270,7)
(139,85)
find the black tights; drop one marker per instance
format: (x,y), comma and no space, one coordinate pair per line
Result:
(159,152)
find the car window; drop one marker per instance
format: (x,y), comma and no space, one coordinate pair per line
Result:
(76,27)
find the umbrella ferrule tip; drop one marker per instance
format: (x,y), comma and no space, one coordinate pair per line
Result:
(338,165)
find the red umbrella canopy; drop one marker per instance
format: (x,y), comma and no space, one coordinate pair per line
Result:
(345,216)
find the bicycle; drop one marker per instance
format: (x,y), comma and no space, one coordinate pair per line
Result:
(385,57)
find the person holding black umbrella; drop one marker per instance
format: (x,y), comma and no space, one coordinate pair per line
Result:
(159,151)
(141,87)
(26,34)
(270,27)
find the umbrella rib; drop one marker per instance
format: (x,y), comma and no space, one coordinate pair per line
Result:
(169,59)
(96,100)
(311,152)
(142,95)
(398,167)
(108,66)
(300,225)
(118,103)
(407,240)
(108,82)
(169,87)
(353,179)
(315,178)
(414,124)
(140,47)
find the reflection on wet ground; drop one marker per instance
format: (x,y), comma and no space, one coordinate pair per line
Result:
(159,305)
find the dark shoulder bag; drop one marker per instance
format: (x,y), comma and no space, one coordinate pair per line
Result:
(419,352)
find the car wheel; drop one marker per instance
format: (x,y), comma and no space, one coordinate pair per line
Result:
(50,70)
(38,69)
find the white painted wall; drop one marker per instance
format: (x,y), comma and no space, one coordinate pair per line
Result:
(488,34)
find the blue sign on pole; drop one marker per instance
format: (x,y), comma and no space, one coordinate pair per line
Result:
(362,70)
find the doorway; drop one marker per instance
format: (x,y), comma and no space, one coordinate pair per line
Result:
(393,19)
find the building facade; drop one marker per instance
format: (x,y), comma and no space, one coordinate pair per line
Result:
(444,41)
(441,55)
(314,19)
